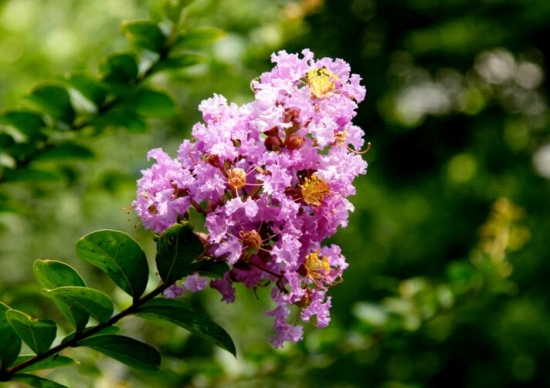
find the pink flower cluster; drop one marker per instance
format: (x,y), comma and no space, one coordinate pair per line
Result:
(271,179)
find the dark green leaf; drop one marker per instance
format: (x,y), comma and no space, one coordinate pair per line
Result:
(55,101)
(144,34)
(198,37)
(211,268)
(54,361)
(29,175)
(38,334)
(11,342)
(174,312)
(64,151)
(151,103)
(28,123)
(36,382)
(119,256)
(95,303)
(172,9)
(179,61)
(121,118)
(107,330)
(53,274)
(119,69)
(177,249)
(89,87)
(126,350)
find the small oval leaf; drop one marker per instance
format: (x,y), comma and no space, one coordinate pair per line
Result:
(144,34)
(38,334)
(95,303)
(36,382)
(197,37)
(119,68)
(88,86)
(53,274)
(174,312)
(27,122)
(179,61)
(55,101)
(119,256)
(126,350)
(151,103)
(54,361)
(121,118)
(177,249)
(11,342)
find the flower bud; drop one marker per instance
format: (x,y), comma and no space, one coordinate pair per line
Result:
(294,142)
(273,143)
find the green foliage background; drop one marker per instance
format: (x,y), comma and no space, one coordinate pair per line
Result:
(457,114)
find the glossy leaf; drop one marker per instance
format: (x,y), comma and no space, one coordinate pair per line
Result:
(11,342)
(151,103)
(119,256)
(198,37)
(54,361)
(55,101)
(126,350)
(95,303)
(144,34)
(177,249)
(107,330)
(211,268)
(65,151)
(179,61)
(89,87)
(174,312)
(28,123)
(121,118)
(35,381)
(38,334)
(119,68)
(52,274)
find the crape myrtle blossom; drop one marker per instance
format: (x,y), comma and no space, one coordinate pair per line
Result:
(271,179)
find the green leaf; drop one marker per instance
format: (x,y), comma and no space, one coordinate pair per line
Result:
(121,118)
(119,256)
(95,303)
(126,350)
(65,151)
(172,9)
(89,87)
(36,382)
(144,34)
(107,330)
(211,268)
(174,312)
(198,37)
(179,61)
(151,103)
(38,334)
(54,361)
(28,123)
(119,69)
(177,249)
(30,175)
(11,342)
(55,101)
(52,274)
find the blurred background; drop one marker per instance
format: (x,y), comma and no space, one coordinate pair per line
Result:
(449,268)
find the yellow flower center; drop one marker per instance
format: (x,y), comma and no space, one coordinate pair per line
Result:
(314,190)
(236,178)
(321,82)
(317,266)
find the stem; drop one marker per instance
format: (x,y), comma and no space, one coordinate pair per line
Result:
(88,332)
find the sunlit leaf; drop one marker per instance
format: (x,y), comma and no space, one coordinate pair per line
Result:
(144,34)
(119,256)
(177,248)
(52,274)
(54,361)
(126,350)
(198,37)
(174,312)
(36,382)
(28,123)
(97,304)
(11,342)
(38,334)
(53,100)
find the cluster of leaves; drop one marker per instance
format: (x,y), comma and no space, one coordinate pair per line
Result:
(63,111)
(179,253)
